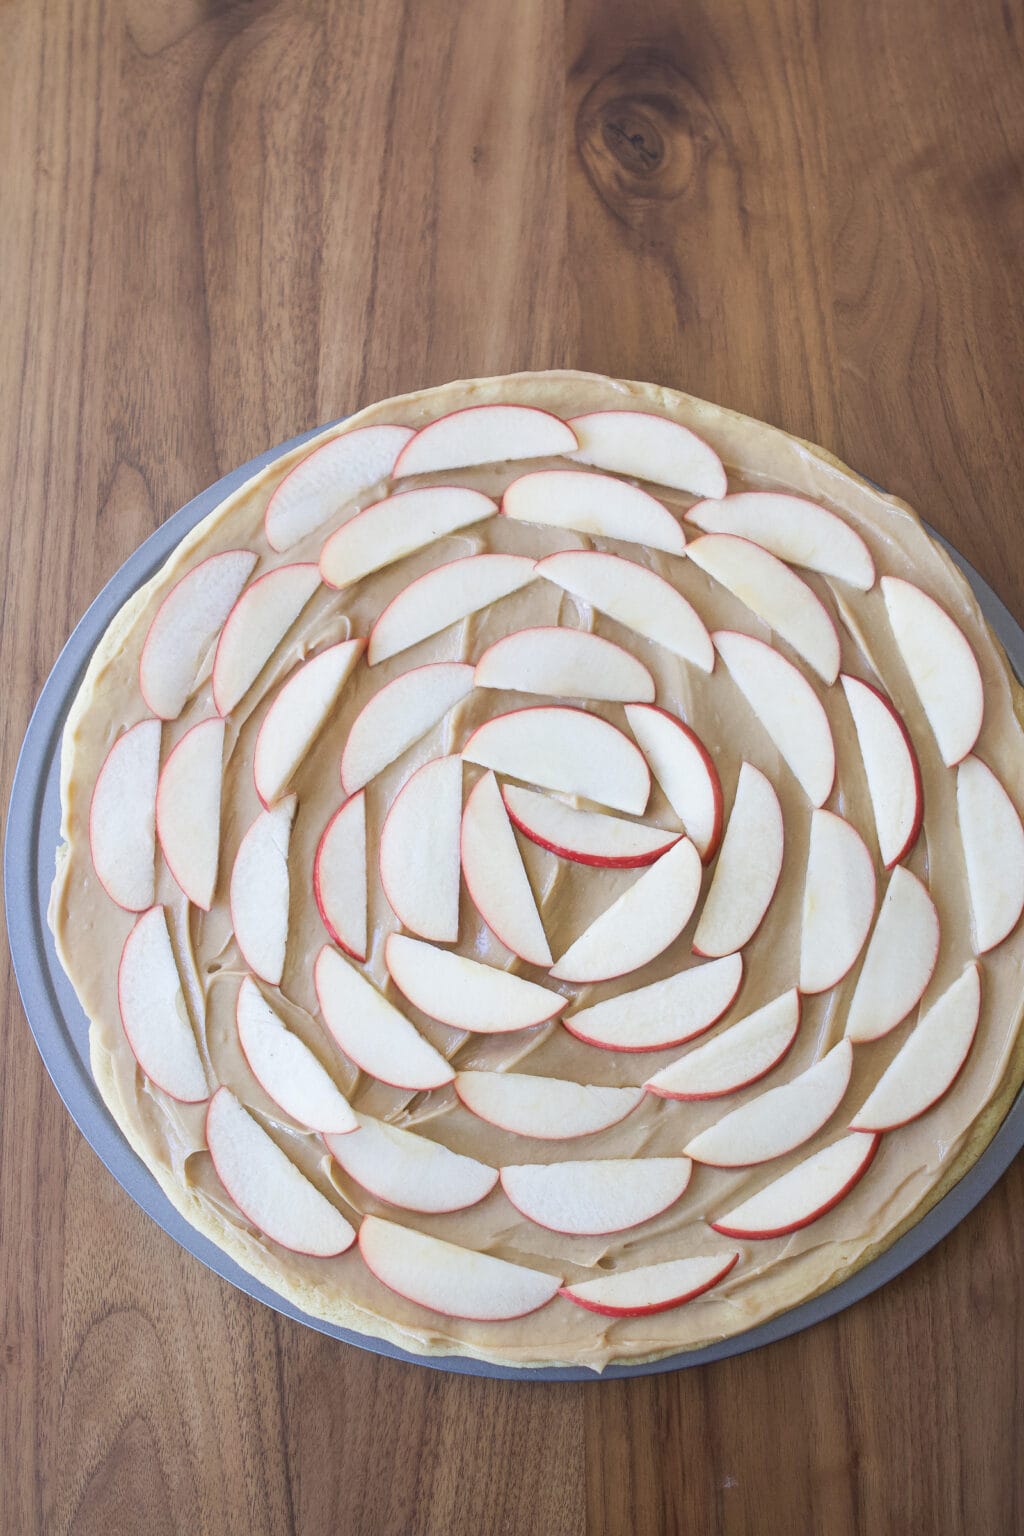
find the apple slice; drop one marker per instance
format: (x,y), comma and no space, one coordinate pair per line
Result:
(389,530)
(260,891)
(942,667)
(775,1122)
(122,817)
(339,877)
(644,920)
(634,596)
(185,626)
(371,1031)
(496,876)
(548,1108)
(839,902)
(664,1014)
(739,1056)
(328,479)
(297,716)
(255,627)
(286,1068)
(442,597)
(651,1288)
(466,993)
(567,663)
(929,1061)
(398,716)
(747,871)
(567,750)
(682,766)
(796,530)
(446,1278)
(153,1011)
(419,850)
(803,1194)
(485,434)
(891,768)
(607,1194)
(188,810)
(585,837)
(993,839)
(787,706)
(593,504)
(649,447)
(266,1185)
(900,959)
(410,1170)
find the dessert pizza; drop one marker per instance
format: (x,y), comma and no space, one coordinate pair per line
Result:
(542,864)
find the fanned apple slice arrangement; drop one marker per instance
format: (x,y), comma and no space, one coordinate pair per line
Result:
(572,769)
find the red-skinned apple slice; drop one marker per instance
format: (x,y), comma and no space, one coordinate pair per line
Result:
(900,959)
(794,529)
(651,1288)
(398,716)
(256,625)
(608,1194)
(266,1185)
(419,850)
(442,597)
(787,706)
(286,1069)
(496,876)
(747,871)
(466,993)
(330,477)
(339,877)
(185,626)
(565,663)
(682,766)
(739,1056)
(839,902)
(403,1168)
(593,504)
(942,666)
(993,839)
(485,434)
(891,768)
(297,716)
(547,1108)
(122,817)
(649,447)
(568,750)
(389,530)
(188,810)
(446,1278)
(153,1011)
(585,837)
(664,1014)
(803,1194)
(780,1119)
(260,891)
(371,1031)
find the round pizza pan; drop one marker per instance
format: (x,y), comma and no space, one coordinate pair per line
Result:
(61,1029)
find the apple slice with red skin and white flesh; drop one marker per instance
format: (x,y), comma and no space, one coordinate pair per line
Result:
(260,891)
(747,871)
(297,716)
(496,877)
(794,529)
(567,750)
(466,993)
(442,597)
(787,706)
(406,1169)
(942,666)
(339,877)
(255,627)
(664,1014)
(326,480)
(266,1185)
(651,1288)
(547,1108)
(900,959)
(286,1069)
(188,810)
(446,1278)
(643,922)
(993,839)
(649,447)
(780,1119)
(419,850)
(185,626)
(595,505)
(607,1194)
(803,1194)
(122,817)
(929,1061)
(839,902)
(389,530)
(485,434)
(398,716)
(739,1056)
(635,596)
(682,766)
(564,663)
(891,768)
(371,1031)
(153,1012)
(585,837)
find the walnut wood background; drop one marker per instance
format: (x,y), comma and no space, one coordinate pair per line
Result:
(221,223)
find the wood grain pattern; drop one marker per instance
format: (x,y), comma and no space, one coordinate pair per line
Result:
(224,222)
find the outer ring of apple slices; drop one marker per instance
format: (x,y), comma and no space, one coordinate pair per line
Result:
(584,1293)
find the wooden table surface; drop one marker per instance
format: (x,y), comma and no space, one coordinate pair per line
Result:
(225,222)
